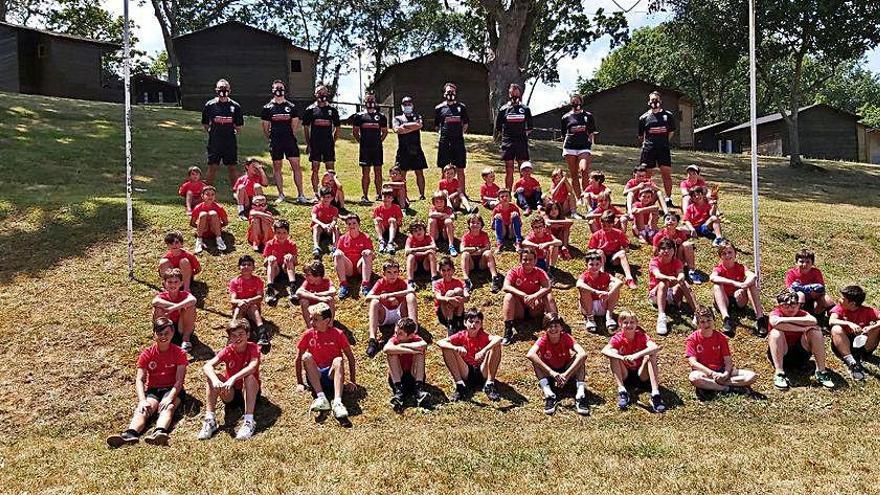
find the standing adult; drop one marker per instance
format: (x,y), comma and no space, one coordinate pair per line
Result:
(222,119)
(321,129)
(370,128)
(656,129)
(451,120)
(514,123)
(410,156)
(280,121)
(578,125)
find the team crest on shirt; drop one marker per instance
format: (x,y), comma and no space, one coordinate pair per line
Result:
(521,110)
(664,118)
(153,365)
(518,282)
(700,348)
(231,108)
(376,118)
(287,109)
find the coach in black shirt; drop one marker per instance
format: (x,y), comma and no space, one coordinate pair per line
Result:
(222,119)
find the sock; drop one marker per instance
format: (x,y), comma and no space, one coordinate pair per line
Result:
(240,209)
(321,395)
(517,228)
(159,429)
(459,383)
(337,400)
(489,382)
(132,432)
(219,238)
(849,359)
(248,417)
(544,384)
(209,416)
(621,388)
(655,393)
(581,390)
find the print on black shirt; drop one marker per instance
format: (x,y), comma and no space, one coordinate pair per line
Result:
(371,125)
(577,128)
(449,119)
(279,115)
(513,120)
(655,128)
(221,119)
(321,121)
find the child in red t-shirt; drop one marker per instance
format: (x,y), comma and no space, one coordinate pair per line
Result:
(645,214)
(354,252)
(161,369)
(177,305)
(595,187)
(598,293)
(545,245)
(420,251)
(489,189)
(701,216)
(240,383)
(559,225)
(667,284)
(641,179)
(794,335)
(390,299)
(694,179)
(477,254)
(450,185)
(319,354)
(406,364)
(441,221)
(528,294)
(684,247)
(324,216)
(245,295)
(562,193)
(807,280)
(708,354)
(331,182)
(735,286)
(191,189)
(387,219)
(208,218)
(855,329)
(527,189)
(249,185)
(397,183)
(260,221)
(506,221)
(317,288)
(557,359)
(179,258)
(281,255)
(603,204)
(472,357)
(633,357)
(450,296)
(613,244)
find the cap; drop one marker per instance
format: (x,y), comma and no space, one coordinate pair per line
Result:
(693,167)
(525,165)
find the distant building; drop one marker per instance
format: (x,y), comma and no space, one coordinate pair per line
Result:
(423,77)
(869,144)
(249,58)
(148,89)
(706,138)
(617,111)
(37,62)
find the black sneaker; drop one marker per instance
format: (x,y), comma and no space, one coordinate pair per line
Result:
(550,405)
(122,439)
(263,341)
(497,283)
(728,327)
(491,392)
(763,325)
(397,397)
(460,393)
(508,337)
(657,404)
(271,296)
(623,400)
(669,203)
(704,395)
(421,394)
(582,406)
(372,348)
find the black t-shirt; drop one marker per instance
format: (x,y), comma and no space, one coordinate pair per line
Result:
(513,120)
(655,128)
(221,117)
(370,125)
(409,140)
(321,121)
(279,116)
(577,128)
(450,119)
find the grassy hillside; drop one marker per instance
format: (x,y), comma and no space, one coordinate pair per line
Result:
(72,326)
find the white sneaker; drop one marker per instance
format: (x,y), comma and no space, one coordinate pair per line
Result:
(186,346)
(220,244)
(199,246)
(280,199)
(247,430)
(302,200)
(320,404)
(209,427)
(662,327)
(339,410)
(610,322)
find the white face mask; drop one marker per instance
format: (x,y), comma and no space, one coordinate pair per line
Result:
(407,109)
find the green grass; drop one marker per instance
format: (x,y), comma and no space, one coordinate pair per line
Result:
(72,325)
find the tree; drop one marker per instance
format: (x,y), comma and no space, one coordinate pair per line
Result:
(158,65)
(21,11)
(856,90)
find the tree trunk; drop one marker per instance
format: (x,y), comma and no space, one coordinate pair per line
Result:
(170,29)
(4,10)
(505,55)
(794,143)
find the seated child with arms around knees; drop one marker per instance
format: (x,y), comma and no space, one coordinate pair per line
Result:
(281,255)
(387,218)
(249,185)
(472,357)
(633,357)
(702,218)
(260,222)
(527,189)
(209,218)
(806,279)
(489,189)
(506,221)
(421,252)
(598,293)
(557,360)
(317,288)
(406,364)
(324,216)
(855,329)
(441,221)
(179,258)
(476,253)
(177,305)
(191,189)
(246,296)
(735,286)
(708,354)
(794,336)
(612,242)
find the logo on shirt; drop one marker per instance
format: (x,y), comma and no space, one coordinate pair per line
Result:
(153,365)
(287,109)
(231,108)
(521,110)
(376,118)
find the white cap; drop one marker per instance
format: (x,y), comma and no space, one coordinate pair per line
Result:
(525,165)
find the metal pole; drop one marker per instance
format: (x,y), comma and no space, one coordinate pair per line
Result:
(127,124)
(360,77)
(753,125)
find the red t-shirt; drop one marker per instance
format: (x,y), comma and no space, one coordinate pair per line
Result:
(245,288)
(598,211)
(626,347)
(862,316)
(505,212)
(181,295)
(249,181)
(191,187)
(161,367)
(644,216)
(609,241)
(489,190)
(446,210)
(540,239)
(688,184)
(323,346)
(600,281)
(325,214)
(528,184)
(472,345)
(561,194)
(790,337)
(199,208)
(406,359)
(527,282)
(678,237)
(448,185)
(736,272)
(352,247)
(480,240)
(279,249)
(386,213)
(670,269)
(814,276)
(383,286)
(419,243)
(441,287)
(174,259)
(322,285)
(596,188)
(236,361)
(634,181)
(709,351)
(558,355)
(697,214)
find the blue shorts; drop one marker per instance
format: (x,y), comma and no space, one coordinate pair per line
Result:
(542,264)
(326,381)
(705,230)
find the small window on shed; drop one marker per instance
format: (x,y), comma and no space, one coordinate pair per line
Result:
(42,50)
(296,66)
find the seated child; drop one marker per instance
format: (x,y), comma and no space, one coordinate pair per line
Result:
(387,218)
(406,364)
(595,187)
(667,285)
(476,253)
(191,188)
(249,185)
(735,286)
(246,296)
(397,183)
(641,179)
(701,217)
(239,384)
(684,247)
(420,251)
(390,299)
(177,305)
(208,218)
(441,221)
(331,182)
(855,329)
(280,255)
(353,253)
(633,357)
(450,296)
(317,288)
(527,189)
(794,335)
(562,192)
(528,294)
(506,221)
(559,226)
(557,359)
(489,189)
(319,353)
(259,223)
(472,357)
(324,216)
(694,179)
(645,213)
(613,244)
(179,258)
(708,354)
(603,204)
(598,293)
(807,280)
(545,245)
(161,369)
(450,185)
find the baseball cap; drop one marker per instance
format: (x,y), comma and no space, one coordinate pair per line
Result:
(525,165)
(692,167)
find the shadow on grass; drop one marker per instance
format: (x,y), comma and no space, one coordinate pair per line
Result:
(266,414)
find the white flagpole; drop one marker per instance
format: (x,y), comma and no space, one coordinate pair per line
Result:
(753,115)
(127,124)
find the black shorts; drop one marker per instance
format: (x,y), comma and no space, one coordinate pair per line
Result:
(283,149)
(370,157)
(796,356)
(159,393)
(407,380)
(451,153)
(656,157)
(475,378)
(238,397)
(633,380)
(226,153)
(515,150)
(411,159)
(322,152)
